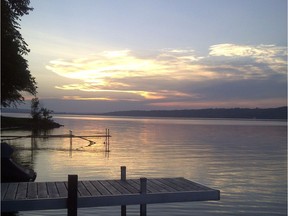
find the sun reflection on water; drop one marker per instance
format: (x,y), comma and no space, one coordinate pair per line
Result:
(246,162)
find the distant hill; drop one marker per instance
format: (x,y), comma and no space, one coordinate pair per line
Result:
(242,113)
(245,113)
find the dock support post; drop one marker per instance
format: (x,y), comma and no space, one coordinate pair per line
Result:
(70,135)
(143,190)
(72,195)
(123,210)
(108,140)
(123,173)
(123,178)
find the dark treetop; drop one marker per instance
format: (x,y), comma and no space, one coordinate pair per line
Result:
(15,75)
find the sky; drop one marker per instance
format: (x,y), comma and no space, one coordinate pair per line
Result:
(103,55)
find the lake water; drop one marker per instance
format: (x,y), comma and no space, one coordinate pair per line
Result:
(245,159)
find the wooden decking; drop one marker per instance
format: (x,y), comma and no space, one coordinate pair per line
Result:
(53,195)
(25,196)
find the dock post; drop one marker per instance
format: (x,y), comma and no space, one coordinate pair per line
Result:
(108,140)
(72,195)
(123,178)
(143,190)
(123,173)
(70,150)
(105,140)
(123,210)
(70,134)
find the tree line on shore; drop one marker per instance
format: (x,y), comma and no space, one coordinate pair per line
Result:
(256,113)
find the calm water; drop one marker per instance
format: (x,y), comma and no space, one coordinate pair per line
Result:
(245,160)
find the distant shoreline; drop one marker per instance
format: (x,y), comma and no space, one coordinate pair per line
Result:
(279,113)
(235,113)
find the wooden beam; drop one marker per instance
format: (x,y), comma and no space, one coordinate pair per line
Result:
(143,191)
(123,178)
(123,173)
(72,195)
(123,210)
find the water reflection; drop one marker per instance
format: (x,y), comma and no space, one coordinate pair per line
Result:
(246,160)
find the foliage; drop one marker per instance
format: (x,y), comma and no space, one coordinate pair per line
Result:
(15,75)
(38,112)
(35,109)
(27,123)
(46,113)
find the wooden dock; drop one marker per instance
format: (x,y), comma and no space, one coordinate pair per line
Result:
(73,194)
(107,137)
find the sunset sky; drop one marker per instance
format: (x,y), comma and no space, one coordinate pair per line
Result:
(104,55)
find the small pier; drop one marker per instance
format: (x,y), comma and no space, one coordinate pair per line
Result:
(70,135)
(74,194)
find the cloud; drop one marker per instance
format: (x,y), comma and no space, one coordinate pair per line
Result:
(86,98)
(271,56)
(254,51)
(115,94)
(176,76)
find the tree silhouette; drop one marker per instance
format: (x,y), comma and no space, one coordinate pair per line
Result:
(38,112)
(15,75)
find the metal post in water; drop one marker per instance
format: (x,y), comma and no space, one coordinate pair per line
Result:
(105,139)
(108,140)
(70,133)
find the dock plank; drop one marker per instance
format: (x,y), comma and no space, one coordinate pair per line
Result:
(136,184)
(11,191)
(52,190)
(22,190)
(107,184)
(4,188)
(42,190)
(32,190)
(62,189)
(93,191)
(187,185)
(82,191)
(164,184)
(120,187)
(178,185)
(155,187)
(101,188)
(195,184)
(128,186)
